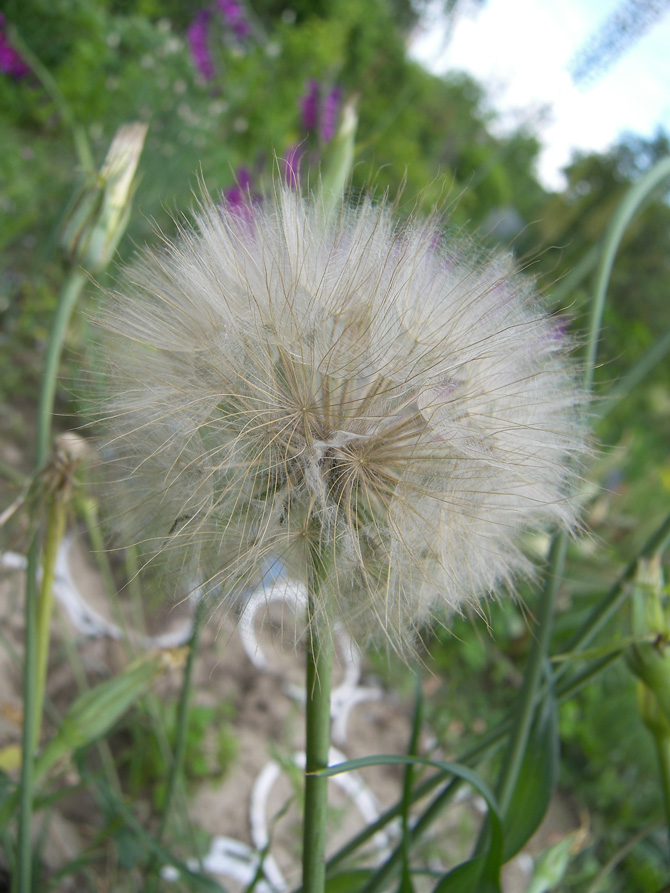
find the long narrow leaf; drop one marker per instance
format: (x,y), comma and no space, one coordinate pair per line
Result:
(491,863)
(536,780)
(468,877)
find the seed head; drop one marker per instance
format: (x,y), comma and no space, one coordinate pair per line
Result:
(376,409)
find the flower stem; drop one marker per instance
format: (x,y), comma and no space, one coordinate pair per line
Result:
(55,533)
(72,287)
(536,662)
(48,82)
(525,711)
(34,636)
(319,667)
(177,765)
(662,743)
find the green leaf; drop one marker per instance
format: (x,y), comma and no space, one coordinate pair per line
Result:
(349,881)
(468,877)
(96,710)
(489,870)
(535,784)
(616,646)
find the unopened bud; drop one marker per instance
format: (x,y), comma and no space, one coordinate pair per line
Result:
(338,157)
(649,657)
(99,214)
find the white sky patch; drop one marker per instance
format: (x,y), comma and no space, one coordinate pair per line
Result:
(521,49)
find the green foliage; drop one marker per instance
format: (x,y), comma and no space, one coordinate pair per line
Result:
(211,747)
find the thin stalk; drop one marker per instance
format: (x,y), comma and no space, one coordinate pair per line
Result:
(175,777)
(662,744)
(399,858)
(612,601)
(634,198)
(597,885)
(50,86)
(72,287)
(70,292)
(55,533)
(527,700)
(21,877)
(536,663)
(635,376)
(413,750)
(565,287)
(317,747)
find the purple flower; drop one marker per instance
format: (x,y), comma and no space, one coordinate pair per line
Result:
(320,115)
(329,113)
(238,196)
(309,105)
(197,38)
(291,165)
(234,17)
(10,61)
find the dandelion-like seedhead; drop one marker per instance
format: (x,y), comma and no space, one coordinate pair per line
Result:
(375,411)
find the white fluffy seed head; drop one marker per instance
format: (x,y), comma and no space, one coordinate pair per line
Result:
(379,406)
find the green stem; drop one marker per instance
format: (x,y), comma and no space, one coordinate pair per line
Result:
(177,765)
(598,883)
(55,533)
(611,602)
(536,663)
(525,711)
(632,201)
(72,287)
(68,298)
(635,376)
(317,747)
(662,743)
(50,86)
(21,879)
(413,750)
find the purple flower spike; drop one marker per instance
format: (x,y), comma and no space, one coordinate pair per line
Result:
(309,105)
(291,164)
(238,199)
(10,61)
(234,17)
(197,38)
(239,195)
(331,109)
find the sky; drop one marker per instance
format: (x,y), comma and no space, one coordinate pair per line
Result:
(521,49)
